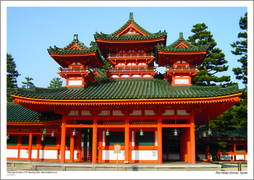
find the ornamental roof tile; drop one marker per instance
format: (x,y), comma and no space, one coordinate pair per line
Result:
(172,47)
(18,113)
(115,37)
(126,89)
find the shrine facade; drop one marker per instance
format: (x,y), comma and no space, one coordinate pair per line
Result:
(152,119)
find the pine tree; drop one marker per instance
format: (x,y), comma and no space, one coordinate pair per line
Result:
(214,61)
(55,83)
(12,75)
(241,50)
(28,84)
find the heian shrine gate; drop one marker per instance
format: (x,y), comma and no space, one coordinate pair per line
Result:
(126,105)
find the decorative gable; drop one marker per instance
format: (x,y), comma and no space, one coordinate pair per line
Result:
(182,44)
(131,29)
(74,46)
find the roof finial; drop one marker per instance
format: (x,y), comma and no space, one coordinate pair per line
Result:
(131,15)
(181,34)
(75,37)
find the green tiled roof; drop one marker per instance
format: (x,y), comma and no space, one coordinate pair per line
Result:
(85,49)
(130,37)
(113,36)
(171,47)
(103,75)
(127,89)
(18,113)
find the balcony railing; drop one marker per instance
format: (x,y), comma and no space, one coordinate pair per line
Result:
(136,55)
(123,69)
(181,68)
(76,69)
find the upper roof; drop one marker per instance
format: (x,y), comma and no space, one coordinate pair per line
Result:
(181,45)
(167,54)
(126,89)
(18,113)
(122,33)
(76,49)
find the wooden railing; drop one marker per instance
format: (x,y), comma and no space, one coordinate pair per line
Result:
(124,69)
(179,68)
(135,55)
(76,69)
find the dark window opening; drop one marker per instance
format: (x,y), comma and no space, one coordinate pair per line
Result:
(12,141)
(146,140)
(115,138)
(49,141)
(25,141)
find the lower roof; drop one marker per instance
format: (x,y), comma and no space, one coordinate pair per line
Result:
(18,113)
(126,89)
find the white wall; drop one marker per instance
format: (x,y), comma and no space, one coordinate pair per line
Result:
(110,155)
(24,153)
(12,153)
(144,155)
(48,154)
(225,157)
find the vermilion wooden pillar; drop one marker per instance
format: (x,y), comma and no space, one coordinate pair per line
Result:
(79,146)
(30,146)
(94,148)
(192,140)
(100,145)
(126,137)
(188,145)
(159,130)
(63,137)
(19,144)
(72,148)
(185,150)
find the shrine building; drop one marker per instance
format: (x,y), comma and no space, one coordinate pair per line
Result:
(123,105)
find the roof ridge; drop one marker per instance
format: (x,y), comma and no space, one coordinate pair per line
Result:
(131,19)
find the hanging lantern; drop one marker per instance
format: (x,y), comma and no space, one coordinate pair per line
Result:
(204,134)
(8,137)
(73,132)
(141,133)
(209,132)
(53,133)
(42,138)
(44,131)
(107,132)
(175,132)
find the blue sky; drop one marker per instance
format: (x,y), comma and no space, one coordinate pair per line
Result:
(31,30)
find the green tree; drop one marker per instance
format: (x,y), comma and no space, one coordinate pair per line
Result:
(107,63)
(214,61)
(12,75)
(55,83)
(28,84)
(241,50)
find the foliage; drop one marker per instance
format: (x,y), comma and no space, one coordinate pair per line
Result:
(28,84)
(12,75)
(159,75)
(241,50)
(55,83)
(214,61)
(107,63)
